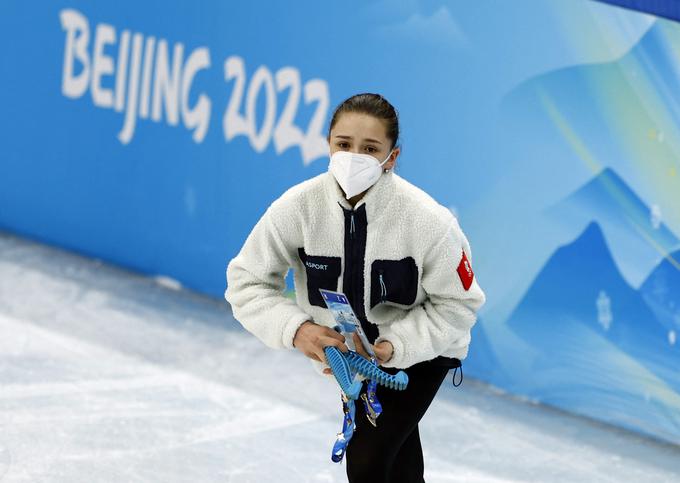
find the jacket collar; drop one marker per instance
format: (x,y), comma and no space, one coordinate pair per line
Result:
(376,199)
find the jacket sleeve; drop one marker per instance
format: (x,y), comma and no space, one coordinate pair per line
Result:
(448,313)
(256,282)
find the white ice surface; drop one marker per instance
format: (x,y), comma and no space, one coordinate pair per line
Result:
(109,376)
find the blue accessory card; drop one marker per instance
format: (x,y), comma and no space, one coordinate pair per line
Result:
(344,316)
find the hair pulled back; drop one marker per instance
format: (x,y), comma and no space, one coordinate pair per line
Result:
(374,105)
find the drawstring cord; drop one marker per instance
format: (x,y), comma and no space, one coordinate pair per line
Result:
(383,288)
(455,364)
(453,378)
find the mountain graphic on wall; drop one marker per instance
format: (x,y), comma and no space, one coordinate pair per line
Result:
(582,313)
(580,287)
(661,291)
(636,234)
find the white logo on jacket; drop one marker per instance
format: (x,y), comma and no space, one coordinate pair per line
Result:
(318,266)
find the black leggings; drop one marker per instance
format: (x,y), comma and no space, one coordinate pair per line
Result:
(391,452)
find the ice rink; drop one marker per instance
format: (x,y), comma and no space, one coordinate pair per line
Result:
(106,375)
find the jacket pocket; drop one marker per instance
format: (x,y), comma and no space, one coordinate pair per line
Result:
(322,272)
(394,281)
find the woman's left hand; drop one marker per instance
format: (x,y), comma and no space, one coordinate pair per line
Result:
(383,351)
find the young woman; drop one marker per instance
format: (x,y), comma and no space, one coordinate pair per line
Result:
(399,256)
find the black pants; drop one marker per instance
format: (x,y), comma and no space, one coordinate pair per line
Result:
(391,452)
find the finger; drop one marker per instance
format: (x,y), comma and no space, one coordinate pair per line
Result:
(383,350)
(314,356)
(379,358)
(335,335)
(359,345)
(335,343)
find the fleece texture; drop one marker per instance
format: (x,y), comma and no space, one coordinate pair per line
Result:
(402,221)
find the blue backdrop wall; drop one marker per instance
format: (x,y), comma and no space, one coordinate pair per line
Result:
(155,135)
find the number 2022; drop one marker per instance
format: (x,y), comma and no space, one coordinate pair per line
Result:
(284,132)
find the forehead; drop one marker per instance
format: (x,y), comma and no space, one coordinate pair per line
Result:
(359,126)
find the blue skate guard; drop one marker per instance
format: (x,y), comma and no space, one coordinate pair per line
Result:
(345,365)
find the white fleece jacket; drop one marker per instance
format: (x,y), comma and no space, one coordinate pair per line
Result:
(404,224)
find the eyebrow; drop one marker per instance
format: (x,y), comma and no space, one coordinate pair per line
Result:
(370,140)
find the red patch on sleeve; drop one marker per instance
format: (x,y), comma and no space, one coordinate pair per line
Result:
(465,272)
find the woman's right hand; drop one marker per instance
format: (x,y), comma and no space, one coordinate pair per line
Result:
(311,338)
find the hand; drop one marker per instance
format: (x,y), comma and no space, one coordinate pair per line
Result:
(311,338)
(383,351)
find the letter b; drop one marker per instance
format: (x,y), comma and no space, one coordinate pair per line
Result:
(74,22)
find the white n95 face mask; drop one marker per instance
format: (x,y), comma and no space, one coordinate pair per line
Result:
(355,172)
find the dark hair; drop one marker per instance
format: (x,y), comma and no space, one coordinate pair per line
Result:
(373,104)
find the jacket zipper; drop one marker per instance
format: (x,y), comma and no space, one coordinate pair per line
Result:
(353,287)
(352,245)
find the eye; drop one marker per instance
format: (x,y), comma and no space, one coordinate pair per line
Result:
(343,145)
(371,149)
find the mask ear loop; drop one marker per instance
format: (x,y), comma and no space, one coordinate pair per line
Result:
(388,157)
